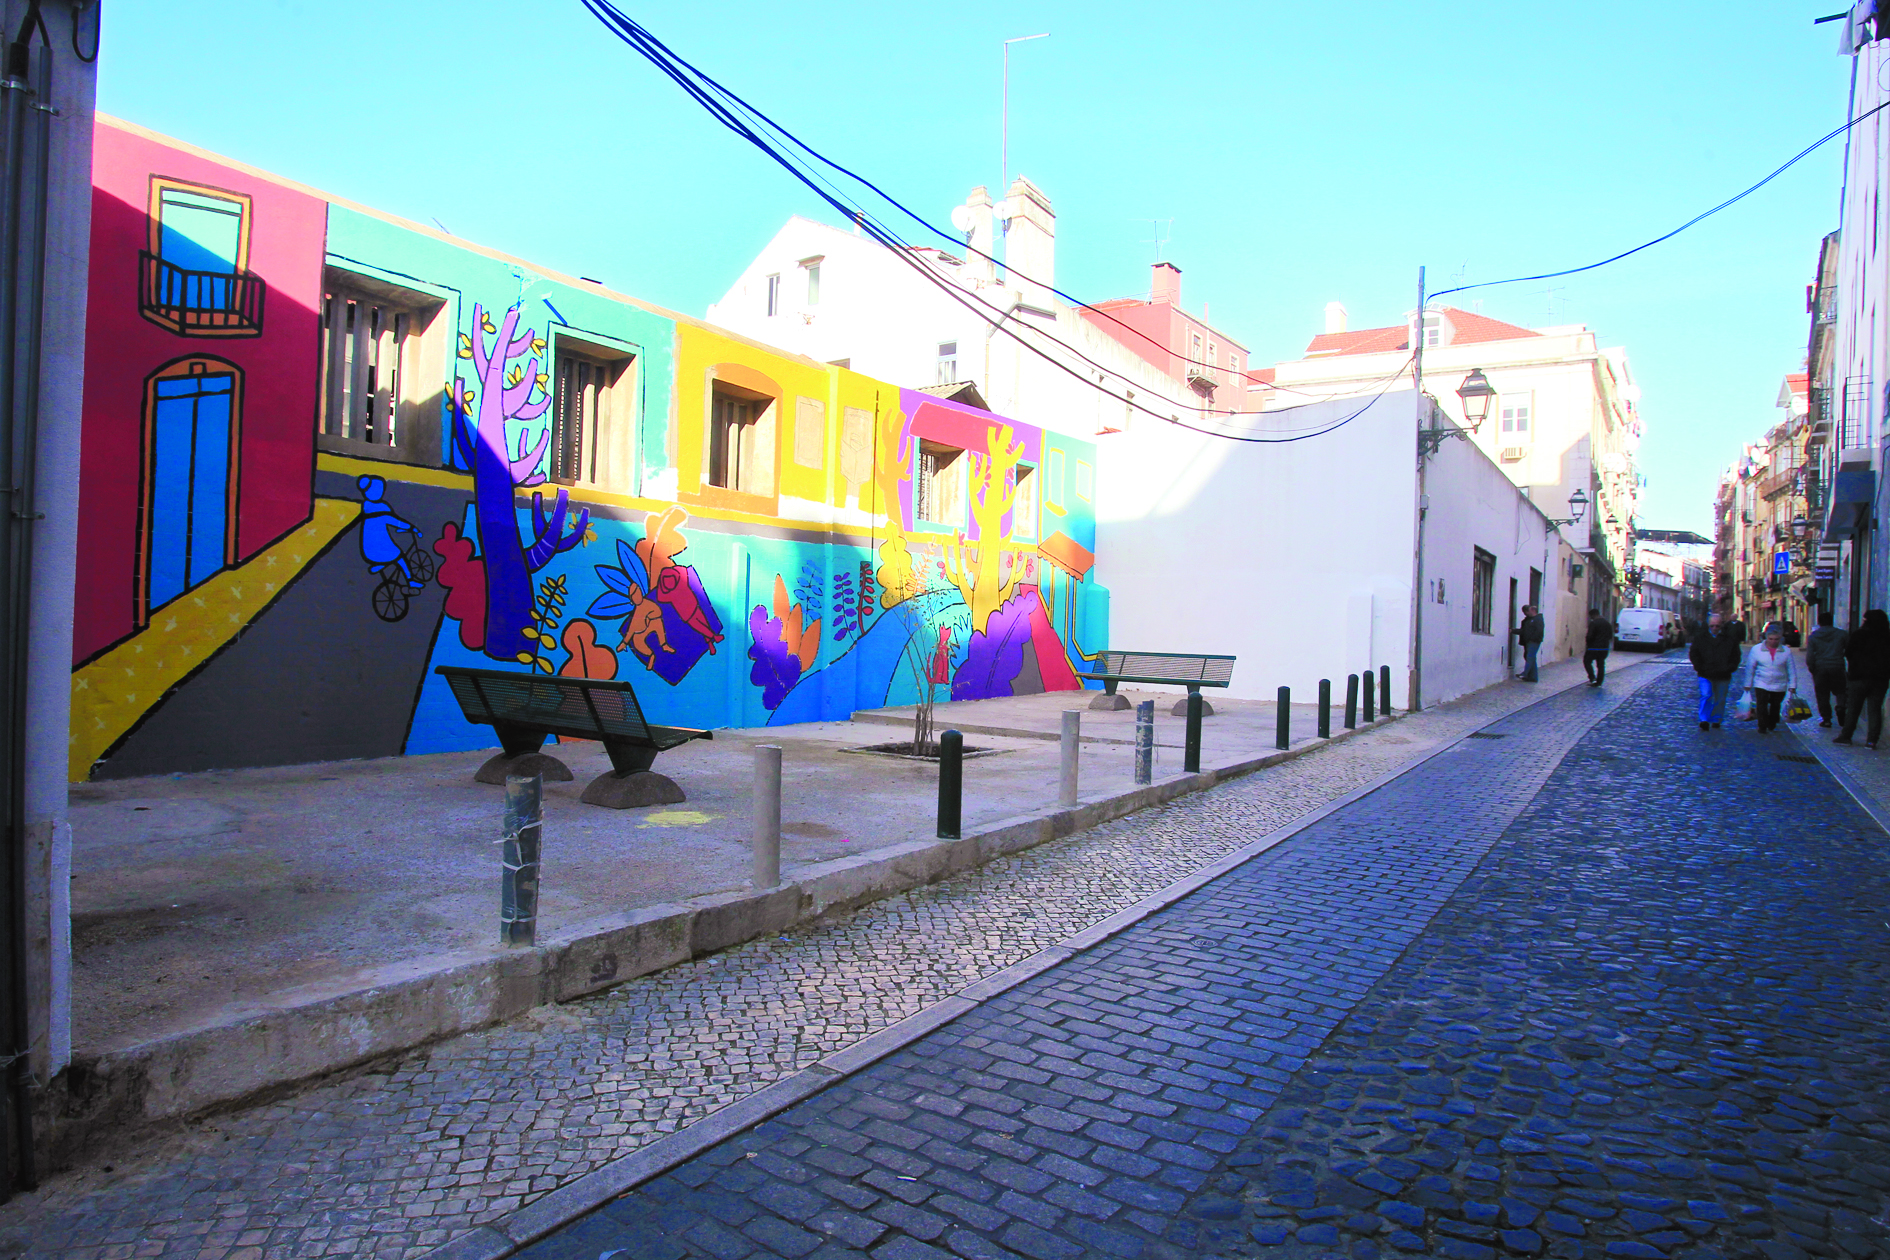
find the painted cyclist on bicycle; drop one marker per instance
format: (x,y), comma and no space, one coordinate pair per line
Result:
(379,524)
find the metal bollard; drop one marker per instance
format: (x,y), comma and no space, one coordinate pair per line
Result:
(951,783)
(1283,720)
(1384,690)
(1191,752)
(1145,742)
(1325,708)
(1071,750)
(518,881)
(767,815)
(1351,702)
(1369,709)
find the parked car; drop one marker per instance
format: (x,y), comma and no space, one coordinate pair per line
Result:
(1642,629)
(1792,637)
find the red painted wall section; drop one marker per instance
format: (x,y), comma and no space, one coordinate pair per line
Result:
(274,470)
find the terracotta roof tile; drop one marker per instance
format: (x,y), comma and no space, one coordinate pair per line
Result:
(1466,328)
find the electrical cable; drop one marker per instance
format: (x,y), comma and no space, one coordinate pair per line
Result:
(1737,197)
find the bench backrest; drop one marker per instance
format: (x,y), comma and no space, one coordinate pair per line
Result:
(1178,667)
(591,707)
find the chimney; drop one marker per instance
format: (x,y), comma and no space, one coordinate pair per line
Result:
(1030,243)
(976,220)
(1166,285)
(1335,317)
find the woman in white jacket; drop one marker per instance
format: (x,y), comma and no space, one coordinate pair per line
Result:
(1771,672)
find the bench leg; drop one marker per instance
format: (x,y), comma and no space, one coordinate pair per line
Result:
(631,784)
(1109,701)
(521,756)
(1181,706)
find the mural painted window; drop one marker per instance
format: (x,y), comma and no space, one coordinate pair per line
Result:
(192,430)
(947,363)
(1482,591)
(194,277)
(1024,507)
(774,294)
(1053,489)
(580,416)
(1516,409)
(1085,480)
(938,485)
(366,343)
(734,439)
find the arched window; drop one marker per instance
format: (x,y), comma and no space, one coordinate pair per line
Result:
(193,410)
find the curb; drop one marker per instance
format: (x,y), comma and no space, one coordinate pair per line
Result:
(499,1239)
(299,1035)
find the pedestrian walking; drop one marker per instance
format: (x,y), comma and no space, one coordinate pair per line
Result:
(1715,656)
(1771,672)
(1600,640)
(1529,634)
(1867,674)
(1824,661)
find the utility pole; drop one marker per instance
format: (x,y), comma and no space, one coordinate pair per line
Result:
(1422,504)
(1004,165)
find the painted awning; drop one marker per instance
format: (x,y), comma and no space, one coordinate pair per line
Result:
(1852,495)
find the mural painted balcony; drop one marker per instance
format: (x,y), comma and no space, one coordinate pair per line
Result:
(199,303)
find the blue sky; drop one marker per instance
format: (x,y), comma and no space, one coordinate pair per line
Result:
(1303,152)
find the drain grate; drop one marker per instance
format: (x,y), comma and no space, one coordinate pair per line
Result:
(1802,760)
(1486,735)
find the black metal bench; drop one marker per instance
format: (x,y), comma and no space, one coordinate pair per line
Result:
(524,709)
(1179,669)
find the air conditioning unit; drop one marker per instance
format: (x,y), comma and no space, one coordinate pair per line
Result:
(1510,454)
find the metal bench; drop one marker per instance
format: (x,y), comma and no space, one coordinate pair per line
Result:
(524,709)
(1182,669)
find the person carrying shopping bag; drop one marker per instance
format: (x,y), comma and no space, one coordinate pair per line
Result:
(1867,656)
(1771,672)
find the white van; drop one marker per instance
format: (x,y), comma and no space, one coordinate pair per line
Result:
(1643,629)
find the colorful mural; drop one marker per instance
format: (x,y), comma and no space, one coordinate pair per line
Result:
(407,451)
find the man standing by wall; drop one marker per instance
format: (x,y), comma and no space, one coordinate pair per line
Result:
(1715,656)
(1529,634)
(1824,657)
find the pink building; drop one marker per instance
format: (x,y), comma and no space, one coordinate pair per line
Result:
(1201,358)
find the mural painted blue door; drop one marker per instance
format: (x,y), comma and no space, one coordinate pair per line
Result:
(190,480)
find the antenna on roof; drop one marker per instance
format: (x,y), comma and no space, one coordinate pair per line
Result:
(1160,230)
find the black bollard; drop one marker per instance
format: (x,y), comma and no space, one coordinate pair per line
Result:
(1191,754)
(1370,710)
(1351,702)
(1384,689)
(1283,723)
(951,783)
(1325,708)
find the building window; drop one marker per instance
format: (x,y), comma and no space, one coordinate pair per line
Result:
(1024,505)
(580,417)
(193,273)
(1482,592)
(813,284)
(938,496)
(1433,331)
(734,439)
(774,294)
(366,352)
(947,363)
(1515,409)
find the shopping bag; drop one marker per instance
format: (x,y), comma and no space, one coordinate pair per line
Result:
(1745,709)
(1797,709)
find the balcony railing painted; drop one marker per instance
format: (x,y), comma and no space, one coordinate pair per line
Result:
(199,303)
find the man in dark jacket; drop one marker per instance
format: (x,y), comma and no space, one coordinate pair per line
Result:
(1600,640)
(1529,634)
(1867,671)
(1824,657)
(1715,655)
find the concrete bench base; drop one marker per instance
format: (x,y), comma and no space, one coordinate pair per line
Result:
(632,791)
(527,764)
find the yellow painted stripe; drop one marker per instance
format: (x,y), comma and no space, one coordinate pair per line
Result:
(112,692)
(446,478)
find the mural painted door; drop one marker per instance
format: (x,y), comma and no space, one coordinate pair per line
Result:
(190,482)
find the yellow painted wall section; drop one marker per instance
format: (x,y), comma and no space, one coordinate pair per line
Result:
(698,352)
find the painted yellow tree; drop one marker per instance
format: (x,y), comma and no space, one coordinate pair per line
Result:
(892,466)
(976,569)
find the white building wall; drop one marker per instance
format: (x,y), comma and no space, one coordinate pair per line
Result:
(1860,331)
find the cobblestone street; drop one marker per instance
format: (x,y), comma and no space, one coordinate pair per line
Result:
(1589,989)
(396,1162)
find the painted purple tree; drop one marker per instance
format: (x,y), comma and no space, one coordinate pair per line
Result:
(504,395)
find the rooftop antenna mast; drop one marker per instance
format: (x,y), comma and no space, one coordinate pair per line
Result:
(1160,230)
(1004,166)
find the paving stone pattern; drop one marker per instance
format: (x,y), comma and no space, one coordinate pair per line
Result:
(1100,1108)
(394,1163)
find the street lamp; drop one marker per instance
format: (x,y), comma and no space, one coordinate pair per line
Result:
(1476,393)
(1577,505)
